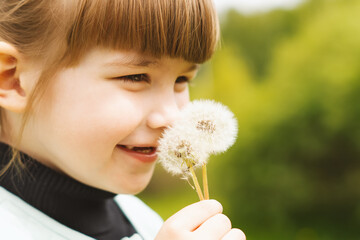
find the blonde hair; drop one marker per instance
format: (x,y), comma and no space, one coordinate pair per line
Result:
(60,32)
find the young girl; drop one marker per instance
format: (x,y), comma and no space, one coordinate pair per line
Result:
(86,88)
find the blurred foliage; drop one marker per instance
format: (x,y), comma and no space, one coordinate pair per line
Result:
(293,80)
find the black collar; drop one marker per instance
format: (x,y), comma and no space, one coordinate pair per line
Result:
(83,208)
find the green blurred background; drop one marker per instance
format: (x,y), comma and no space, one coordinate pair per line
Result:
(292,78)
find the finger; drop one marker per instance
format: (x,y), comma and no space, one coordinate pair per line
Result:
(215,227)
(235,234)
(192,216)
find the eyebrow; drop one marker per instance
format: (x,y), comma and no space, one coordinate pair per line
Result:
(193,67)
(142,62)
(132,62)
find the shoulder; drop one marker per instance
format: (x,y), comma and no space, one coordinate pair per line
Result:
(145,220)
(19,220)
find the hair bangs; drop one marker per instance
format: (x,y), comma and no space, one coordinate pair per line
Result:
(186,29)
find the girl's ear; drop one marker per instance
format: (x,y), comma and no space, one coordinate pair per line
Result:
(12,95)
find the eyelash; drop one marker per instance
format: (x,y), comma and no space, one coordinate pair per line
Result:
(136,78)
(182,79)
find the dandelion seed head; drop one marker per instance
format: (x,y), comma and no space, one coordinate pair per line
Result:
(205,127)
(183,150)
(175,149)
(212,123)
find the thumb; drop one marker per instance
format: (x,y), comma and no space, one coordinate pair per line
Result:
(192,216)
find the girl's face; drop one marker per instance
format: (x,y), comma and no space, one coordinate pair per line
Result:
(93,114)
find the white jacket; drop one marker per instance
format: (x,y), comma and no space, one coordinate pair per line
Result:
(21,221)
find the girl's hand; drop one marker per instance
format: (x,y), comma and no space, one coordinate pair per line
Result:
(201,220)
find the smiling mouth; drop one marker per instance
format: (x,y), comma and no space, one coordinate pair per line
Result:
(143,150)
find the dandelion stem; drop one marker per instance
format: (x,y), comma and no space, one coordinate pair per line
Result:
(195,180)
(205,182)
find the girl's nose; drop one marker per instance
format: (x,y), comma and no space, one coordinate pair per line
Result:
(165,111)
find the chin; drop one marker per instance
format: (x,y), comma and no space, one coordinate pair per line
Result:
(133,190)
(132,186)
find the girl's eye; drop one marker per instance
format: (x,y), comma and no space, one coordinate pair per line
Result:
(182,79)
(135,78)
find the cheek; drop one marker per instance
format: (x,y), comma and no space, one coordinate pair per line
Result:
(89,123)
(183,98)
(104,121)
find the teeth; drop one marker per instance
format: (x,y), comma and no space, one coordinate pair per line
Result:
(139,149)
(129,147)
(148,150)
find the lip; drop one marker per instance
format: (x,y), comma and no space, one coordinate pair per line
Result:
(143,157)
